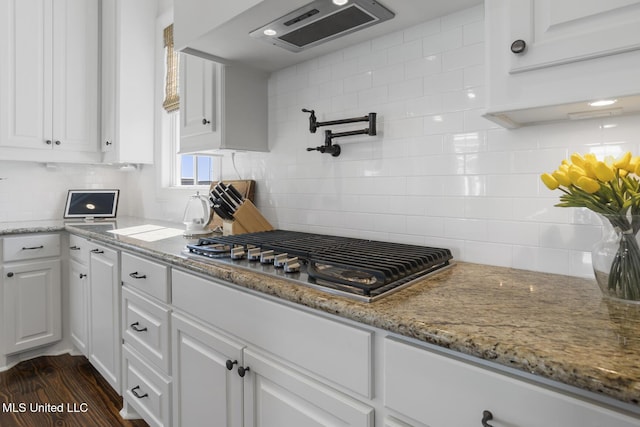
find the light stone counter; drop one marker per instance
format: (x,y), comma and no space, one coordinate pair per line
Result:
(22,227)
(556,327)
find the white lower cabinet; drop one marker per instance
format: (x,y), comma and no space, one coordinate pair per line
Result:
(281,365)
(198,352)
(31,292)
(207,388)
(277,396)
(32,297)
(104,313)
(440,391)
(145,389)
(79,305)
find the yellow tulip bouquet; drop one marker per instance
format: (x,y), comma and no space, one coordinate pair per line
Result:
(610,188)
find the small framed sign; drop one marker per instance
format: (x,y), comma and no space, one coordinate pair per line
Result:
(90,204)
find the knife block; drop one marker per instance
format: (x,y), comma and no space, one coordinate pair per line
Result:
(247,219)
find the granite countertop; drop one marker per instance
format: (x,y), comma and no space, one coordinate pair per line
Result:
(21,227)
(556,327)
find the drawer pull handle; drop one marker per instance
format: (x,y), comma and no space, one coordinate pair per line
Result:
(242,370)
(30,248)
(97,251)
(135,275)
(82,275)
(136,394)
(486,416)
(9,274)
(230,364)
(74,248)
(135,327)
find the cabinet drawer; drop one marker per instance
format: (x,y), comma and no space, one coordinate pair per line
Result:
(147,276)
(32,246)
(146,390)
(333,350)
(440,391)
(145,326)
(79,249)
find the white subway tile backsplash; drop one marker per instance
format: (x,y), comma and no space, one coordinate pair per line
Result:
(444,82)
(405,52)
(388,41)
(424,66)
(488,253)
(388,75)
(437,172)
(405,89)
(465,56)
(473,33)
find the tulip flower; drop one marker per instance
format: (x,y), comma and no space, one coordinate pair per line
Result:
(549,181)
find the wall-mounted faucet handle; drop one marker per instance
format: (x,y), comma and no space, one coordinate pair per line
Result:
(313,122)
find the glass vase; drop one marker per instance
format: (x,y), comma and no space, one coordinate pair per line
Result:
(616,257)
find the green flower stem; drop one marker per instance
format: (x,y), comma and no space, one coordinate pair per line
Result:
(624,276)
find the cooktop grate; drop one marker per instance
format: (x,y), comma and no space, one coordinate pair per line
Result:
(358,266)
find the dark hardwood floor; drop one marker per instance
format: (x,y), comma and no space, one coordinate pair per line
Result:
(32,392)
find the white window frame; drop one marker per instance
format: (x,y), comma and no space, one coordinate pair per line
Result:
(167,129)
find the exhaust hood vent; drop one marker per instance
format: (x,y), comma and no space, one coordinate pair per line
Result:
(321,21)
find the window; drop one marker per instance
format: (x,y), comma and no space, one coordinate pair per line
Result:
(196,170)
(185,169)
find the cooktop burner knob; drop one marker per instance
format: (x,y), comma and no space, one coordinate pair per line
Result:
(254,254)
(266,257)
(279,260)
(237,252)
(292,265)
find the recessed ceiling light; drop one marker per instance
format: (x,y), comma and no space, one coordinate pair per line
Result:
(602,102)
(269,32)
(340,2)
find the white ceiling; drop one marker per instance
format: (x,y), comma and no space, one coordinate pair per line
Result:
(232,43)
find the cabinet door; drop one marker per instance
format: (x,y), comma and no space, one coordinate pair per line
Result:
(78,305)
(205,391)
(198,112)
(75,75)
(104,312)
(440,391)
(49,77)
(127,69)
(276,396)
(32,305)
(25,73)
(558,32)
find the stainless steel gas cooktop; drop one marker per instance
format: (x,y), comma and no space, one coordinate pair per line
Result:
(365,270)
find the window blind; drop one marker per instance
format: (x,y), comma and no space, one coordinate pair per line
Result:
(171,97)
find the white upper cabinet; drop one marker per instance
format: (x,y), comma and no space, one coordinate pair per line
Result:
(128,60)
(558,32)
(574,52)
(221,106)
(49,80)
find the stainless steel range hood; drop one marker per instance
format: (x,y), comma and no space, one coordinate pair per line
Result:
(229,42)
(321,21)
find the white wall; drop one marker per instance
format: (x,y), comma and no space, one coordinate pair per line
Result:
(438,173)
(31,191)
